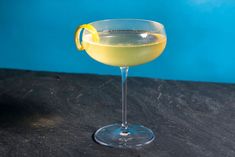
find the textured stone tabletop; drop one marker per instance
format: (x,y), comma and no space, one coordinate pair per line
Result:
(53,114)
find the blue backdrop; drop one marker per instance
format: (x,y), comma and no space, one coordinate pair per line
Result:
(38,35)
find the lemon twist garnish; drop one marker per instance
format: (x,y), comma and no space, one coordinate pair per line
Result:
(91,29)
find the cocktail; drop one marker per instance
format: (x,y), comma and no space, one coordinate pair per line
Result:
(122,43)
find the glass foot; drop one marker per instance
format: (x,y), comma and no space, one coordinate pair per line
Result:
(114,136)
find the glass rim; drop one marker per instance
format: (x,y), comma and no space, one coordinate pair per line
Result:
(130,19)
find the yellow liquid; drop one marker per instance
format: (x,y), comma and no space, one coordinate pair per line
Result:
(125,47)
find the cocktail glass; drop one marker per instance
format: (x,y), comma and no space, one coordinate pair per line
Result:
(122,43)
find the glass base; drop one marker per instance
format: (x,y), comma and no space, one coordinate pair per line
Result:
(115,136)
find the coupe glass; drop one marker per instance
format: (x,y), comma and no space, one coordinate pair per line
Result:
(122,43)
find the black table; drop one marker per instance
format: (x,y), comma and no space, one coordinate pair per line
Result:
(54,114)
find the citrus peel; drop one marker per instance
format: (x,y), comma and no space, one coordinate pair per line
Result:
(89,28)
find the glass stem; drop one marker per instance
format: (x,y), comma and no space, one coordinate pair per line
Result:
(124,72)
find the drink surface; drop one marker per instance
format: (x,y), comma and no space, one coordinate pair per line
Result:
(125,47)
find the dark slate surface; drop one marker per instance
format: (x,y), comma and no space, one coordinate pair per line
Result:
(53,114)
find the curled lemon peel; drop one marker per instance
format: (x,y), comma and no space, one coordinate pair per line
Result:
(91,29)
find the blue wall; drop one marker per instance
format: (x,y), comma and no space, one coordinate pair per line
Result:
(38,35)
